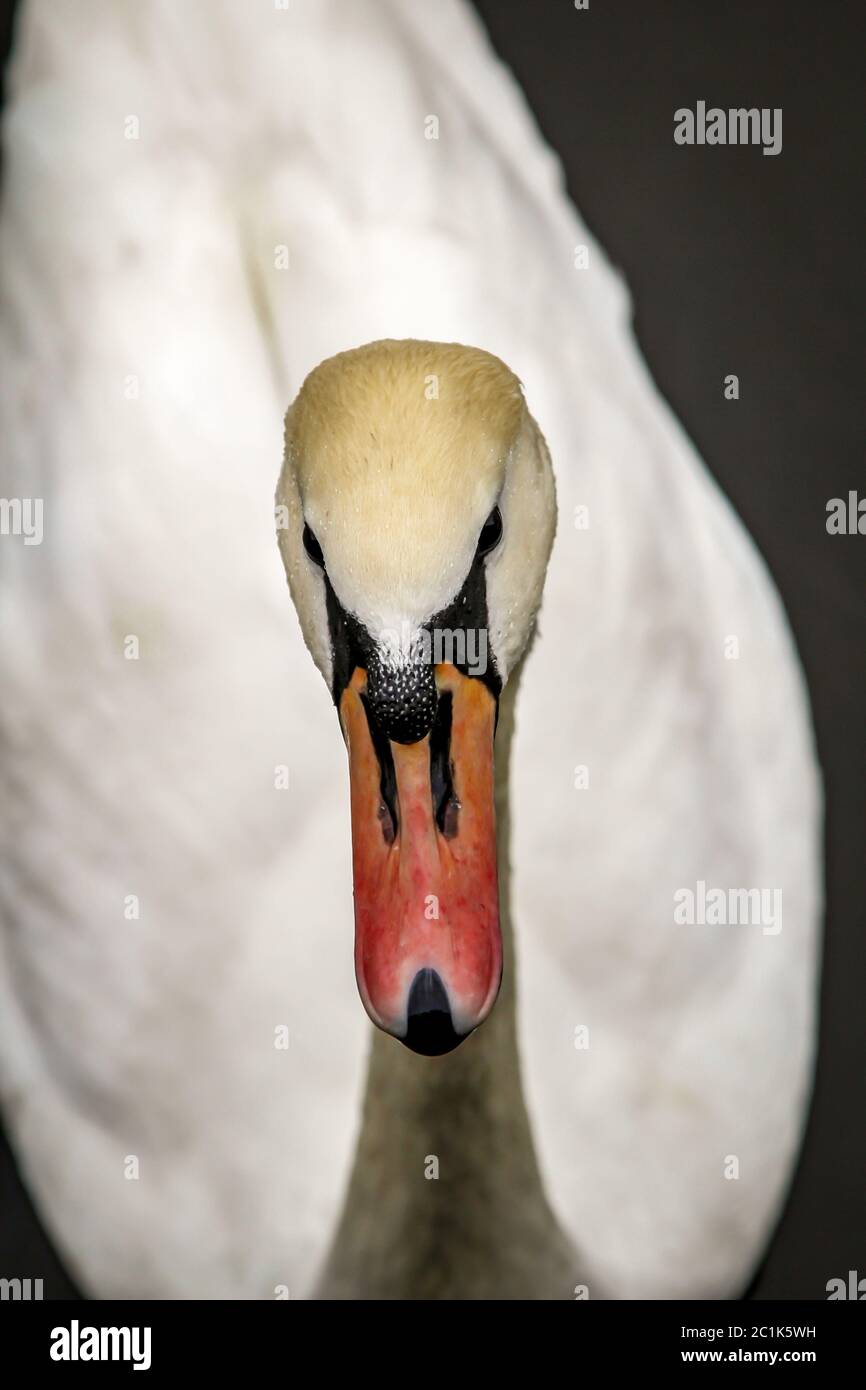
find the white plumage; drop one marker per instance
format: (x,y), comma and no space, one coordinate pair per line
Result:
(151,342)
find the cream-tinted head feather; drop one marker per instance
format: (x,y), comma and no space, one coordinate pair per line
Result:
(396,453)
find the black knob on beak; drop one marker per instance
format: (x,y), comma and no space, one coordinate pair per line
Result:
(402,700)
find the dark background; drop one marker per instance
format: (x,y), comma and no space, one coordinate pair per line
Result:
(749,264)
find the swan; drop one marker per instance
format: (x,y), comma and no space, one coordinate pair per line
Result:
(188,1078)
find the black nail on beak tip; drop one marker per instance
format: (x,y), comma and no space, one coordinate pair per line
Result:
(429,1029)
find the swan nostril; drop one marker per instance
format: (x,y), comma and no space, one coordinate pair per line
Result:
(446,807)
(429,1028)
(387,778)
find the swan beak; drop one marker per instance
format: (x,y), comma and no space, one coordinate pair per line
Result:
(428,953)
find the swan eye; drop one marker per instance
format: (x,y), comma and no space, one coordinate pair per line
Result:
(312,547)
(491,532)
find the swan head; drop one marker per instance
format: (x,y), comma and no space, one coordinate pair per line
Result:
(415,516)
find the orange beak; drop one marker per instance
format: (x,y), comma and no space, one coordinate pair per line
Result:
(428,953)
